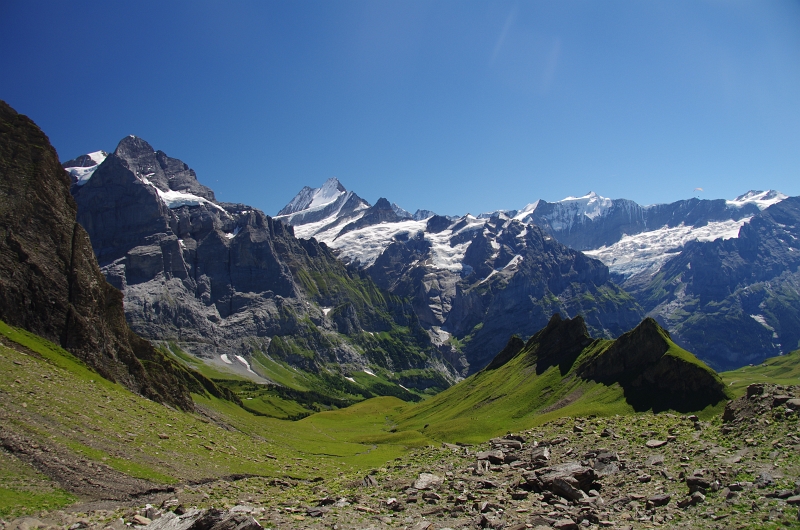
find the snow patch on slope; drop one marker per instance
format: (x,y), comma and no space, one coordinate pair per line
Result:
(245,363)
(176,199)
(650,250)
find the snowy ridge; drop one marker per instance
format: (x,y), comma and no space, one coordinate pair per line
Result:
(762,199)
(83,174)
(315,199)
(632,255)
(364,245)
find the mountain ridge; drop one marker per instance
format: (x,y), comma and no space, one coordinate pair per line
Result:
(235,288)
(635,242)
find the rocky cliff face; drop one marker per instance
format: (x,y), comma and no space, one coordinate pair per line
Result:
(50,283)
(231,285)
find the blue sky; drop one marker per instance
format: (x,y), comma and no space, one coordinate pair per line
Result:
(453,106)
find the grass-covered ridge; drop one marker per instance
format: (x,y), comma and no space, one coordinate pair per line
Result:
(561,371)
(781,370)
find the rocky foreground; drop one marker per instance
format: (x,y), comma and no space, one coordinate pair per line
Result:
(741,470)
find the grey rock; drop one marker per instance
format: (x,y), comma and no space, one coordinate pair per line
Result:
(565,524)
(794,499)
(495,456)
(660,500)
(764,480)
(427,481)
(560,486)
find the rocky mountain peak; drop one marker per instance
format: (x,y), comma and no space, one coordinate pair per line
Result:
(383,204)
(333,184)
(559,343)
(50,282)
(156,168)
(132,147)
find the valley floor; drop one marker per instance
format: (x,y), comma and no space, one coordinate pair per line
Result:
(79,452)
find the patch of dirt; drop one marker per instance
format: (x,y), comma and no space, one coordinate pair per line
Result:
(563,402)
(89,480)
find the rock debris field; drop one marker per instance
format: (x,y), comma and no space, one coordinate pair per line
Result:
(739,470)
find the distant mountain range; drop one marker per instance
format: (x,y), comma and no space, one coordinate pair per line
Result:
(471,281)
(438,260)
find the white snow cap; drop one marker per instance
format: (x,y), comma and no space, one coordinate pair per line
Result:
(762,199)
(591,205)
(83,174)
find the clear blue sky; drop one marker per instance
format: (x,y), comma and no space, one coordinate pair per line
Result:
(454,106)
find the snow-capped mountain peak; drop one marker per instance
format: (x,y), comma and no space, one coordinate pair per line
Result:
(762,199)
(591,205)
(315,198)
(83,167)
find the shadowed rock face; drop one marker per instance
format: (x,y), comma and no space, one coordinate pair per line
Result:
(639,362)
(50,283)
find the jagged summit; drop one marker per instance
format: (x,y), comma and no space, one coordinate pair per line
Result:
(314,198)
(316,209)
(174,182)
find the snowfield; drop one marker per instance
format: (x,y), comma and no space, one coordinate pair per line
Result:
(632,255)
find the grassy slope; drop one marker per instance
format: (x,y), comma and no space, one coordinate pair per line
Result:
(513,397)
(509,398)
(783,370)
(50,397)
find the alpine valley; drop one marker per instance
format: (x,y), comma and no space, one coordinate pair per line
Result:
(172,362)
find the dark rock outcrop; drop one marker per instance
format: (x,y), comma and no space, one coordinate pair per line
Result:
(50,283)
(654,373)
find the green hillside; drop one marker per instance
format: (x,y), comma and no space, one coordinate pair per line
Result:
(782,370)
(52,401)
(562,372)
(54,408)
